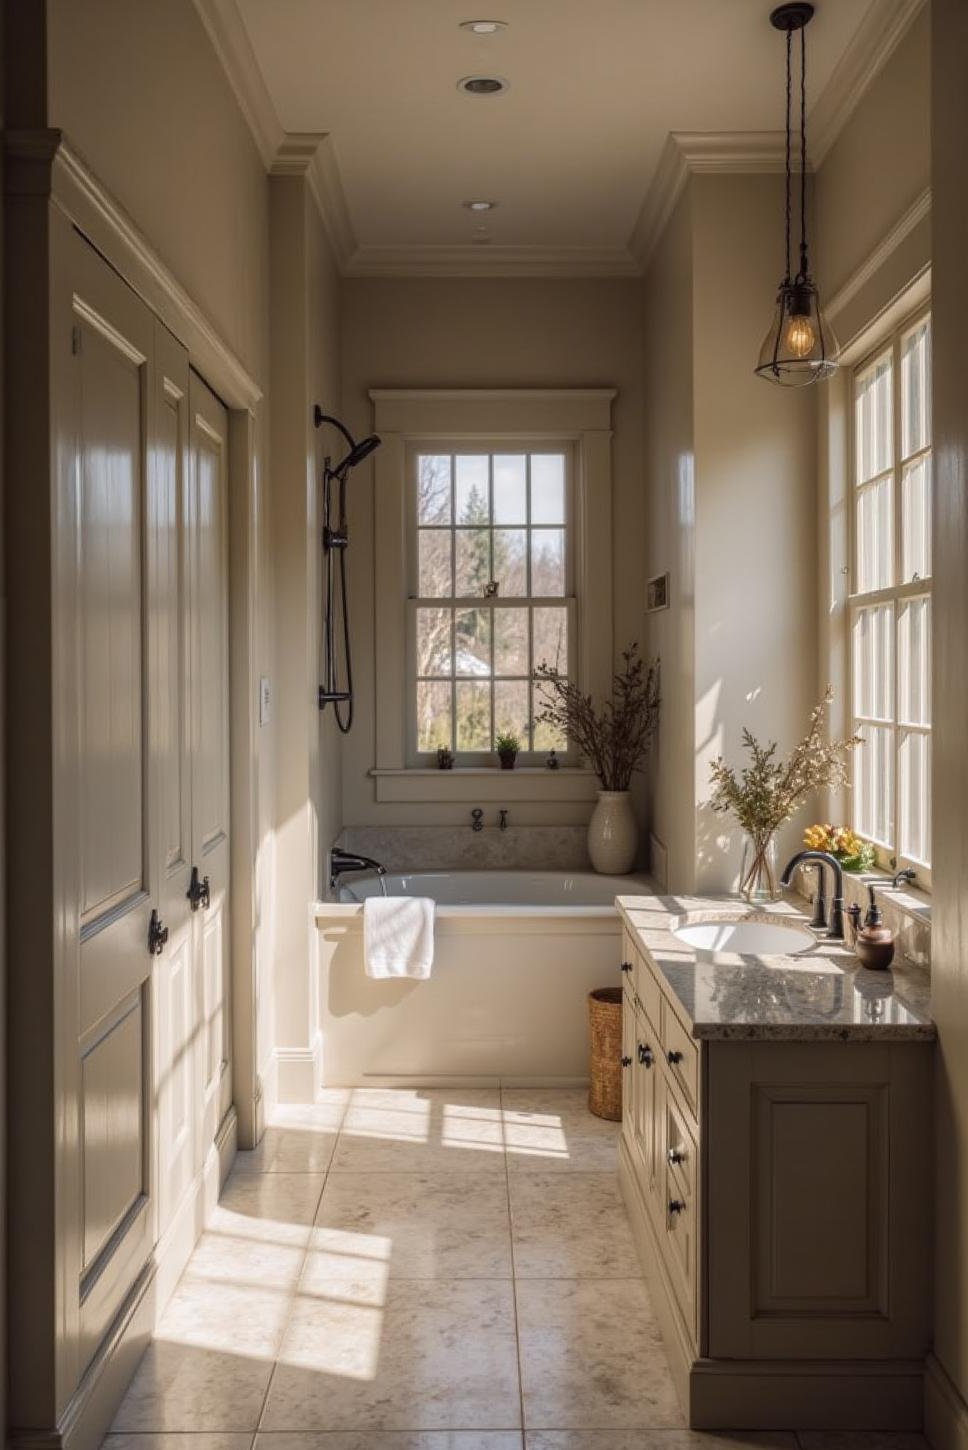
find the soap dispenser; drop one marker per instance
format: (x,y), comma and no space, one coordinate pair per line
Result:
(874,942)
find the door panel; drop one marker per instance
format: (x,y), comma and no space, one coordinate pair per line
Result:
(177,995)
(112,345)
(210,753)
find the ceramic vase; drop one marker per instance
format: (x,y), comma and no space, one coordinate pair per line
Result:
(612,833)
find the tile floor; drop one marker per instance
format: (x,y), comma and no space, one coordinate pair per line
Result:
(421,1269)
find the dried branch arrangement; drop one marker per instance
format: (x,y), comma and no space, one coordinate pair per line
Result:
(768,792)
(617,736)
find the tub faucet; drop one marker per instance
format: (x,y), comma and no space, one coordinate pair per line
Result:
(835,932)
(342,861)
(477,817)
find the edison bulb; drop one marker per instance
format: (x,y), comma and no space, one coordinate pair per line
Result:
(799,336)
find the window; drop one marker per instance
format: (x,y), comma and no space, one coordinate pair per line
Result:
(491,595)
(890,603)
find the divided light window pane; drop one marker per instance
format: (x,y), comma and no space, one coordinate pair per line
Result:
(875,535)
(915,389)
(491,528)
(874,419)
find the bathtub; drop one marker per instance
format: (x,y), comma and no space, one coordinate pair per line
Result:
(516,954)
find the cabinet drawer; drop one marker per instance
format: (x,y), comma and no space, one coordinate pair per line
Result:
(680,1246)
(678,1148)
(682,1056)
(647,987)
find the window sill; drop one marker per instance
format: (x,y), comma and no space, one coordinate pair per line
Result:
(485,783)
(908,900)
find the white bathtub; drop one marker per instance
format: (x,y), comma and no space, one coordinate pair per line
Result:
(516,954)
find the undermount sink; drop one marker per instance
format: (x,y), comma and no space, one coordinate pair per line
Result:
(746,937)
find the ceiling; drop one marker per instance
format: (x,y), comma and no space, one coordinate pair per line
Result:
(571,150)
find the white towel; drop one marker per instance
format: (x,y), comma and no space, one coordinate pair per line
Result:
(398,936)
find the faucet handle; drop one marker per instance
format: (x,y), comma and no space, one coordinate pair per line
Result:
(477,816)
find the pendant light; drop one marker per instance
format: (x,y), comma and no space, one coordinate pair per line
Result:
(799,348)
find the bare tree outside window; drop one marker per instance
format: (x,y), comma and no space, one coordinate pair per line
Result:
(492,596)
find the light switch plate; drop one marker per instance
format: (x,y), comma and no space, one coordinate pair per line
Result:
(264,700)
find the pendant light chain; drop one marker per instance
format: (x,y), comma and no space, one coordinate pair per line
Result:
(789,174)
(804,262)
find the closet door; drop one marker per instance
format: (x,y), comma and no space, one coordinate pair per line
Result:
(177,982)
(116,869)
(208,532)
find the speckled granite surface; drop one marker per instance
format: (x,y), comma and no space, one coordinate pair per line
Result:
(825,994)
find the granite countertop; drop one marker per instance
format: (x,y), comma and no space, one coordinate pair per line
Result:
(820,995)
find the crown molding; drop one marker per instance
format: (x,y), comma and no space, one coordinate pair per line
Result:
(470,260)
(230,40)
(901,230)
(284,153)
(871,47)
(703,153)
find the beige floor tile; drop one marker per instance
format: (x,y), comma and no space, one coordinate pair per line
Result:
(420,1226)
(592,1356)
(170,1440)
(437,1355)
(228,1318)
(420,1131)
(390,1440)
(180,1387)
(272,1208)
(552,1130)
(299,1149)
(659,1440)
(325,1113)
(570,1226)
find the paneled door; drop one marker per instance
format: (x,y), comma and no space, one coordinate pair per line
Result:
(111,346)
(209,655)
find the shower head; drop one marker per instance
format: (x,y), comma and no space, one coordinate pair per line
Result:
(357,451)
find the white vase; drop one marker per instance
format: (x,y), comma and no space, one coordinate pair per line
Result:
(612,833)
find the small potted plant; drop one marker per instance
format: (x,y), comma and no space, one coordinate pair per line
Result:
(768,792)
(445,760)
(507,746)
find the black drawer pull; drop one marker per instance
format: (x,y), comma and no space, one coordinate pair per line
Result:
(625,967)
(676,1155)
(674,1057)
(645,1055)
(626,1062)
(676,1205)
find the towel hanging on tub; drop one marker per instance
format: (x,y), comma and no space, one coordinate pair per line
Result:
(398,936)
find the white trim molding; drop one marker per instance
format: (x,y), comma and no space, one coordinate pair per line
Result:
(917,212)
(581,416)
(310,154)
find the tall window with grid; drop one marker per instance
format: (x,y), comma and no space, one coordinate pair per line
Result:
(491,569)
(890,605)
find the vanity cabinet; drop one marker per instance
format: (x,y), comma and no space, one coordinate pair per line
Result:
(780,1195)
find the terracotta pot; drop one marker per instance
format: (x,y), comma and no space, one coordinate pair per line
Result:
(612,833)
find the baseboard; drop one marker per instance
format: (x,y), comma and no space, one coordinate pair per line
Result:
(93,1405)
(774,1394)
(297,1073)
(945,1409)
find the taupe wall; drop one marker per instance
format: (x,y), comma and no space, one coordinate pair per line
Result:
(488,333)
(949,945)
(731,489)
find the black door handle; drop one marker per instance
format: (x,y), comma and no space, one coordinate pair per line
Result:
(199,893)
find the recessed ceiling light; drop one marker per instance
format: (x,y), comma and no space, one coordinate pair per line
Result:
(482,85)
(479,205)
(483,27)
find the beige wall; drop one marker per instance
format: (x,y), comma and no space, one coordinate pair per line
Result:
(488,333)
(670,503)
(949,947)
(731,470)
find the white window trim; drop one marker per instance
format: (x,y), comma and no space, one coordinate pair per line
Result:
(581,417)
(889,338)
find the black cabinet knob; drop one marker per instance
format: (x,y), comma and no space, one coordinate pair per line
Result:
(199,892)
(676,1205)
(674,1057)
(645,1055)
(626,1062)
(676,1155)
(626,967)
(157,935)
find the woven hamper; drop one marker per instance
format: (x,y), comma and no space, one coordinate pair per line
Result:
(605,1067)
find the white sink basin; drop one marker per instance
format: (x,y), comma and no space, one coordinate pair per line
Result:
(746,937)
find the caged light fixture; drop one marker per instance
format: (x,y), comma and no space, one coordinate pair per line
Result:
(799,348)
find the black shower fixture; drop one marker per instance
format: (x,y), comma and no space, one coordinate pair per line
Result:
(337,686)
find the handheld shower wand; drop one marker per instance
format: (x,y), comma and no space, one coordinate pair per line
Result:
(337,686)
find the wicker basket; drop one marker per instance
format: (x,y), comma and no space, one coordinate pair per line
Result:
(605,1067)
